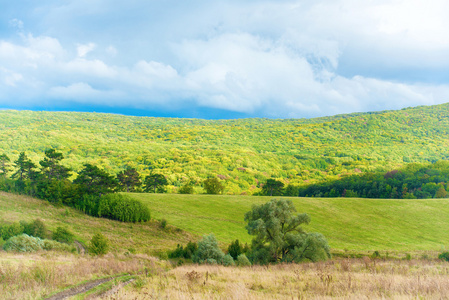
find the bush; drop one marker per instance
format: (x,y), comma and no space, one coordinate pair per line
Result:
(186,189)
(8,231)
(228,260)
(54,245)
(208,249)
(444,256)
(163,223)
(63,235)
(235,249)
(36,228)
(181,252)
(99,244)
(243,261)
(122,208)
(23,243)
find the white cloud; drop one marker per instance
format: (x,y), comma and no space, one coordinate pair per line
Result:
(83,50)
(270,58)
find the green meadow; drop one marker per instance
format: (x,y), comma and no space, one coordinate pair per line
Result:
(348,223)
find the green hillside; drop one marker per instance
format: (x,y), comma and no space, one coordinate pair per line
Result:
(352,224)
(242,153)
(143,238)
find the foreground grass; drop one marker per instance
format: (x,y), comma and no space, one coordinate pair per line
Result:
(343,279)
(38,275)
(348,223)
(146,237)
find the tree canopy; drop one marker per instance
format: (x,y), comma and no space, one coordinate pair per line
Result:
(279,237)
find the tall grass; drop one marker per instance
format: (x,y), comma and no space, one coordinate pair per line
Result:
(342,279)
(33,276)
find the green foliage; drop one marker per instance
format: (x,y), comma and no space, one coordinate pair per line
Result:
(8,231)
(180,252)
(279,236)
(4,165)
(213,186)
(186,189)
(99,245)
(94,181)
(122,208)
(155,183)
(410,182)
(23,243)
(243,261)
(235,249)
(63,235)
(300,151)
(163,224)
(26,243)
(273,187)
(35,228)
(208,250)
(444,256)
(228,261)
(129,180)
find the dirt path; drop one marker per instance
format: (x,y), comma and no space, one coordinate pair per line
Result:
(79,289)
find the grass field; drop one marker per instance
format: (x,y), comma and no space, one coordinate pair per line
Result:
(141,238)
(348,223)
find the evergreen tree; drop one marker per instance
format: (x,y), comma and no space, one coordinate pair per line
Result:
(4,165)
(129,180)
(155,183)
(95,181)
(50,167)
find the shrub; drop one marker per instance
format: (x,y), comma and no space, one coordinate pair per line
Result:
(163,223)
(122,208)
(243,261)
(444,256)
(8,231)
(186,189)
(235,249)
(228,260)
(208,249)
(63,235)
(99,244)
(36,228)
(54,245)
(23,243)
(181,252)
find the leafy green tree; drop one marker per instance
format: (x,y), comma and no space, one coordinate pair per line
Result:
(4,165)
(129,180)
(155,183)
(272,187)
(279,236)
(213,186)
(95,181)
(51,168)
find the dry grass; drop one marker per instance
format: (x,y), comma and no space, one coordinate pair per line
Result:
(341,279)
(33,276)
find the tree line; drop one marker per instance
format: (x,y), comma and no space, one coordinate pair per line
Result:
(91,191)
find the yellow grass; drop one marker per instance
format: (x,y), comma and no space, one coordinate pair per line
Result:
(341,279)
(33,276)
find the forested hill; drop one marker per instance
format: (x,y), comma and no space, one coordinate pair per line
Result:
(242,153)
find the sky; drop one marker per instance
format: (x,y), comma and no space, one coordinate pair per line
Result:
(223,59)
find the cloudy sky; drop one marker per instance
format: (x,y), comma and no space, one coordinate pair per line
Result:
(223,59)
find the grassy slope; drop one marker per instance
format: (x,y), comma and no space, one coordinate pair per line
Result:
(144,238)
(353,224)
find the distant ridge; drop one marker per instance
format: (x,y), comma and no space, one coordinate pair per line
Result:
(243,153)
